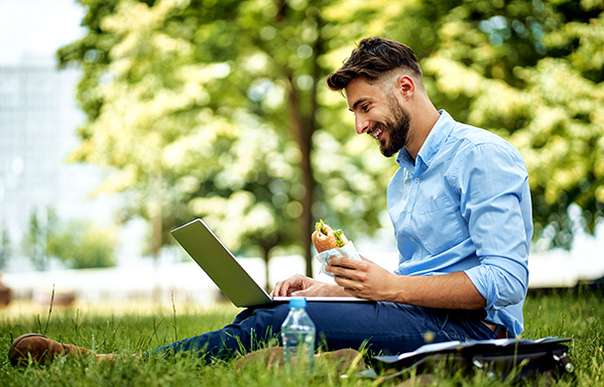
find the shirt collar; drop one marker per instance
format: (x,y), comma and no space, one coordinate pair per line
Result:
(439,132)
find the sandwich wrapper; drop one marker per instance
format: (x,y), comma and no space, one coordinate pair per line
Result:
(348,250)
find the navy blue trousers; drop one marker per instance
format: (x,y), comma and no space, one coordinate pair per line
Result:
(384,327)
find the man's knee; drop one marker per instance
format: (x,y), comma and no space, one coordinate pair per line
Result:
(264,321)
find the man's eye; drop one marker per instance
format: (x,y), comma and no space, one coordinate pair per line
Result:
(365,108)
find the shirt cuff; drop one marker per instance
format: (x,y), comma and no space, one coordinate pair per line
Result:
(499,286)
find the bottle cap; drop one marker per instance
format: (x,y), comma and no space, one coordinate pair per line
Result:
(297,302)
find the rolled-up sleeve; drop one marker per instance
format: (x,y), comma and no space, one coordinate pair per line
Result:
(494,201)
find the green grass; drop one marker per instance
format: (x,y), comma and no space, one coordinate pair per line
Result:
(577,315)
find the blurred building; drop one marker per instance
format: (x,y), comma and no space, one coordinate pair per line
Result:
(38,122)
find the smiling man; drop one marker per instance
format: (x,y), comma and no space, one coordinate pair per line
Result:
(461,210)
(459,203)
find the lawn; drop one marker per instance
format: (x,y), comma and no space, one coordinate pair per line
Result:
(579,315)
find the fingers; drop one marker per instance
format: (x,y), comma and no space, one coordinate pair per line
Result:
(276,288)
(308,292)
(283,287)
(356,275)
(349,268)
(349,263)
(280,289)
(349,274)
(349,285)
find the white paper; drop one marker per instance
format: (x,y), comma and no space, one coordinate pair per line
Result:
(348,251)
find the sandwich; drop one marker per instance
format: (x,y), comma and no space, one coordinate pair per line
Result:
(325,238)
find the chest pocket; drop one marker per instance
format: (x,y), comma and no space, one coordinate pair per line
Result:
(438,223)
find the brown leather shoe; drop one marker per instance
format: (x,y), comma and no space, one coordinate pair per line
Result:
(40,349)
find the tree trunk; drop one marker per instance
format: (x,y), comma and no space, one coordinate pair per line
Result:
(155,213)
(303,127)
(266,256)
(309,180)
(302,133)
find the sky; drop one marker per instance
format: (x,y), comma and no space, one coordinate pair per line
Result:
(36,28)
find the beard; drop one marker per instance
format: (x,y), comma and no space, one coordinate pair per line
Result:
(396,127)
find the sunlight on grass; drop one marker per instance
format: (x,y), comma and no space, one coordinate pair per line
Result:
(143,307)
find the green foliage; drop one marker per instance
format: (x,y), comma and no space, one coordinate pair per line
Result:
(532,72)
(218,109)
(78,244)
(81,245)
(35,240)
(569,315)
(212,109)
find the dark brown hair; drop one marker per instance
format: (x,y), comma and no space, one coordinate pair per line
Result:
(372,58)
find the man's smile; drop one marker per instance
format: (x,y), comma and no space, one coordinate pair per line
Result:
(376,133)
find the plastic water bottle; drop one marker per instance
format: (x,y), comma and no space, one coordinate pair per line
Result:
(298,335)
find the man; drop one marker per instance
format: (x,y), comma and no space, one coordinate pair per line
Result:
(461,210)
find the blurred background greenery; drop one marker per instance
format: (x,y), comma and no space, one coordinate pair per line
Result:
(219,109)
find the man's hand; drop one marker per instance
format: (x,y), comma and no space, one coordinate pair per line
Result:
(363,279)
(322,289)
(295,283)
(302,286)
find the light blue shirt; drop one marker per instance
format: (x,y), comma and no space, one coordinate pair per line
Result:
(464,205)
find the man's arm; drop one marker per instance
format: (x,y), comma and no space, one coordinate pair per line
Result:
(366,279)
(450,291)
(495,201)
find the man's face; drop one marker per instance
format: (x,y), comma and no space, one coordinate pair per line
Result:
(378,113)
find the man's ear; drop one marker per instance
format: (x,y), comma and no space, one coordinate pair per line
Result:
(406,85)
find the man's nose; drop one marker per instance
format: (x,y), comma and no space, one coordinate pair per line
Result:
(361,125)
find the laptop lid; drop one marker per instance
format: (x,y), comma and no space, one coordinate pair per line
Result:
(220,264)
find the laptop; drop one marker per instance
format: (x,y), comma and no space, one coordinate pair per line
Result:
(221,266)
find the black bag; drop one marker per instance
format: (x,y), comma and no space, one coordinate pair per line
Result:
(511,359)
